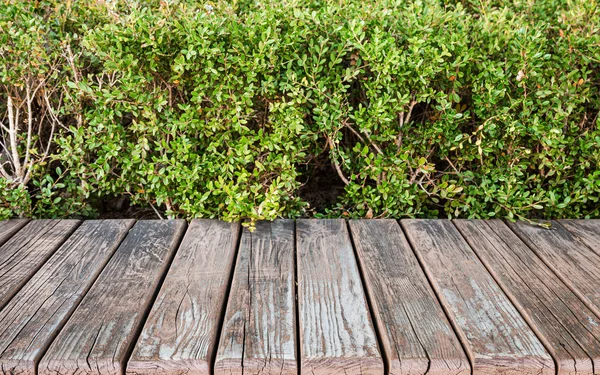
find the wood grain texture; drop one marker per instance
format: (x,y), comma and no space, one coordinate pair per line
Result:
(569,329)
(258,335)
(98,336)
(568,251)
(496,337)
(415,333)
(180,334)
(37,312)
(9,227)
(586,231)
(336,332)
(25,252)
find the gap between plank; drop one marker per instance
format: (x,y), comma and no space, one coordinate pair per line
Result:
(58,246)
(436,293)
(221,322)
(558,274)
(514,301)
(19,227)
(376,327)
(296,309)
(146,312)
(59,328)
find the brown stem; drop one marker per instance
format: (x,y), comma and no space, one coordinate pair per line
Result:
(335,164)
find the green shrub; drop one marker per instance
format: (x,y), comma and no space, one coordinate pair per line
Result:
(39,50)
(421,108)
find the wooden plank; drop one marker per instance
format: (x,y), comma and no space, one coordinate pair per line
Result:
(259,330)
(568,255)
(25,252)
(496,337)
(180,334)
(98,336)
(586,231)
(9,227)
(416,335)
(34,316)
(561,320)
(336,332)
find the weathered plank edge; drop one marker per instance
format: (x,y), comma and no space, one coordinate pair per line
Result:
(31,368)
(462,338)
(33,271)
(223,308)
(178,235)
(367,365)
(322,366)
(584,299)
(513,299)
(434,366)
(384,347)
(16,227)
(286,366)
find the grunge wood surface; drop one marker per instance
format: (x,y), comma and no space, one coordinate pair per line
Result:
(415,333)
(26,252)
(10,227)
(336,332)
(38,311)
(99,334)
(307,297)
(570,329)
(181,331)
(498,340)
(572,250)
(259,331)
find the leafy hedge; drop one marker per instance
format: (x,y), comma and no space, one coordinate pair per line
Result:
(223,109)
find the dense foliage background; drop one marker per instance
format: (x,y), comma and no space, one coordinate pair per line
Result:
(243,109)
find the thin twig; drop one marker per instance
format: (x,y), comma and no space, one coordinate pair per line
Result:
(404,119)
(362,139)
(335,164)
(452,165)
(156,211)
(13,124)
(26,164)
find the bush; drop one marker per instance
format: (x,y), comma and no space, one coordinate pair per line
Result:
(224,109)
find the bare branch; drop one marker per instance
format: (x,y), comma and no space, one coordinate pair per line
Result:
(452,165)
(404,118)
(156,211)
(29,98)
(335,164)
(4,173)
(13,127)
(362,139)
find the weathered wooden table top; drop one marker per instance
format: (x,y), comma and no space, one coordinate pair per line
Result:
(299,297)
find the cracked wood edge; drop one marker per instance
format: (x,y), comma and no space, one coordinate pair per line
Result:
(98,336)
(34,316)
(181,331)
(496,337)
(258,333)
(26,251)
(567,249)
(415,333)
(570,329)
(336,332)
(9,227)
